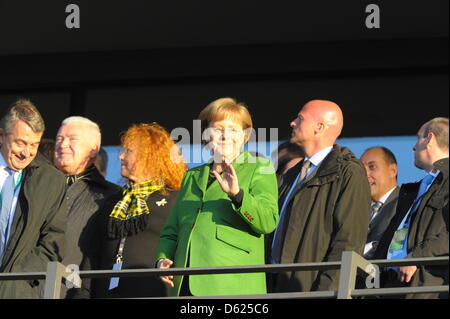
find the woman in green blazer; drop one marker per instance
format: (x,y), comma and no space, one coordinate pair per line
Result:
(222,211)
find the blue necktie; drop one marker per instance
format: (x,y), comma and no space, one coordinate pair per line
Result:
(397,248)
(6,204)
(426,181)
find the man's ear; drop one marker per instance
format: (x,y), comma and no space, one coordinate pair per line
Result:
(430,137)
(320,128)
(393,169)
(94,152)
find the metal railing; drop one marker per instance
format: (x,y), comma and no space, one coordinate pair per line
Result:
(349,266)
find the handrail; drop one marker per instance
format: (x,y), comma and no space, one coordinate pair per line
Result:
(23,276)
(210,270)
(350,264)
(431,261)
(398,291)
(423,261)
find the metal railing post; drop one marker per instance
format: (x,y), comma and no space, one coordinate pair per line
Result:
(351,261)
(347,276)
(53,280)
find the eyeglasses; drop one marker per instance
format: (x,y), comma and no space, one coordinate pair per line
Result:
(230,131)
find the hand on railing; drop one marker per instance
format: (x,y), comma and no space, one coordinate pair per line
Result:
(406,273)
(166,263)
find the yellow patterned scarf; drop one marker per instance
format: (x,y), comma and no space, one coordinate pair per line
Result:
(133,203)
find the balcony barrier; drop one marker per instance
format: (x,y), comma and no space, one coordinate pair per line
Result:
(350,265)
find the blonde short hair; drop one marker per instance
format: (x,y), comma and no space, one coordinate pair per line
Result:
(226,109)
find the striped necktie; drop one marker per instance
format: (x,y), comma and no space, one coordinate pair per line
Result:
(375,208)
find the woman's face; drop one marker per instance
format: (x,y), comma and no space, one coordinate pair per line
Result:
(128,157)
(226,139)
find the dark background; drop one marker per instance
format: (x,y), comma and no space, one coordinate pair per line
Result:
(161,60)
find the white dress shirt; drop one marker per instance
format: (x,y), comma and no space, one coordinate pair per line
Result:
(317,158)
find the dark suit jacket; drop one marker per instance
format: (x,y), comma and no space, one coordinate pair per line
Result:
(37,233)
(285,181)
(428,232)
(84,199)
(380,223)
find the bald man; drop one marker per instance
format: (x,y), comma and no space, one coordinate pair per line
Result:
(324,202)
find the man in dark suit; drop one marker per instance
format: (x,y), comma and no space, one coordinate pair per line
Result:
(420,226)
(381,168)
(33,211)
(325,207)
(77,145)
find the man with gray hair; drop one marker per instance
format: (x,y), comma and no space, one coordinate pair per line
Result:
(77,144)
(33,212)
(420,227)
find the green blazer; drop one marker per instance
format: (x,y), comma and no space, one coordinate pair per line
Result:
(205,227)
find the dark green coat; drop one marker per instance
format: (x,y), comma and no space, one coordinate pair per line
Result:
(37,233)
(328,215)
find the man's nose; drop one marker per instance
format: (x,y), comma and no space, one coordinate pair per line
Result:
(26,151)
(64,142)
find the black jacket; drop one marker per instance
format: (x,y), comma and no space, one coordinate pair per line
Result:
(139,253)
(327,216)
(37,233)
(380,223)
(84,198)
(428,232)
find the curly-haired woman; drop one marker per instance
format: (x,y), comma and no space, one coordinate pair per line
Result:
(129,224)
